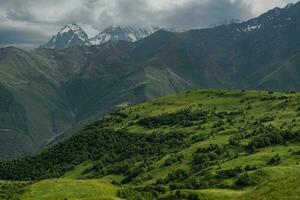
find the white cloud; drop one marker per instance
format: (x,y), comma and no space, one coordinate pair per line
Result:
(261,6)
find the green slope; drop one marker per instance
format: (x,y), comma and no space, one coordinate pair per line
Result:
(203,144)
(71,189)
(283,184)
(42,109)
(54,189)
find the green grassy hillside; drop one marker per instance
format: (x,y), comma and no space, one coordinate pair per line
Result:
(71,189)
(202,144)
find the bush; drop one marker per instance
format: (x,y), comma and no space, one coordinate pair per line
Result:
(273,137)
(183,117)
(234,141)
(230,173)
(181,196)
(172,160)
(275,160)
(117,183)
(245,180)
(250,168)
(172,177)
(133,174)
(200,159)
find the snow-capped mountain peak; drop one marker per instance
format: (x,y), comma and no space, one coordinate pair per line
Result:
(70,35)
(71,27)
(73,35)
(115,33)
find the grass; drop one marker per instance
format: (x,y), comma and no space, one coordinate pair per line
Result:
(77,172)
(284,184)
(261,157)
(70,189)
(220,194)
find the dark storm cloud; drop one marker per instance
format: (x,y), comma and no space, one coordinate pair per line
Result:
(34,21)
(20,37)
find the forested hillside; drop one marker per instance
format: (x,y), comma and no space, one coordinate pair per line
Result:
(202,144)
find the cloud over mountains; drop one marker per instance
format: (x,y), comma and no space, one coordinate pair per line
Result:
(31,22)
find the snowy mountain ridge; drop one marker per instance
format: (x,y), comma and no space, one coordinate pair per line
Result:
(129,34)
(72,35)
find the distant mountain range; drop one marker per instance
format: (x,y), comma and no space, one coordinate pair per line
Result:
(46,94)
(73,35)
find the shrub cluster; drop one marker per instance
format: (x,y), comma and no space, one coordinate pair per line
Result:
(182,117)
(107,147)
(272,138)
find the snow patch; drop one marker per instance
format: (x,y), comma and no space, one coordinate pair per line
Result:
(250,28)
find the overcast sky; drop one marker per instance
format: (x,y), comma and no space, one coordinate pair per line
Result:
(28,23)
